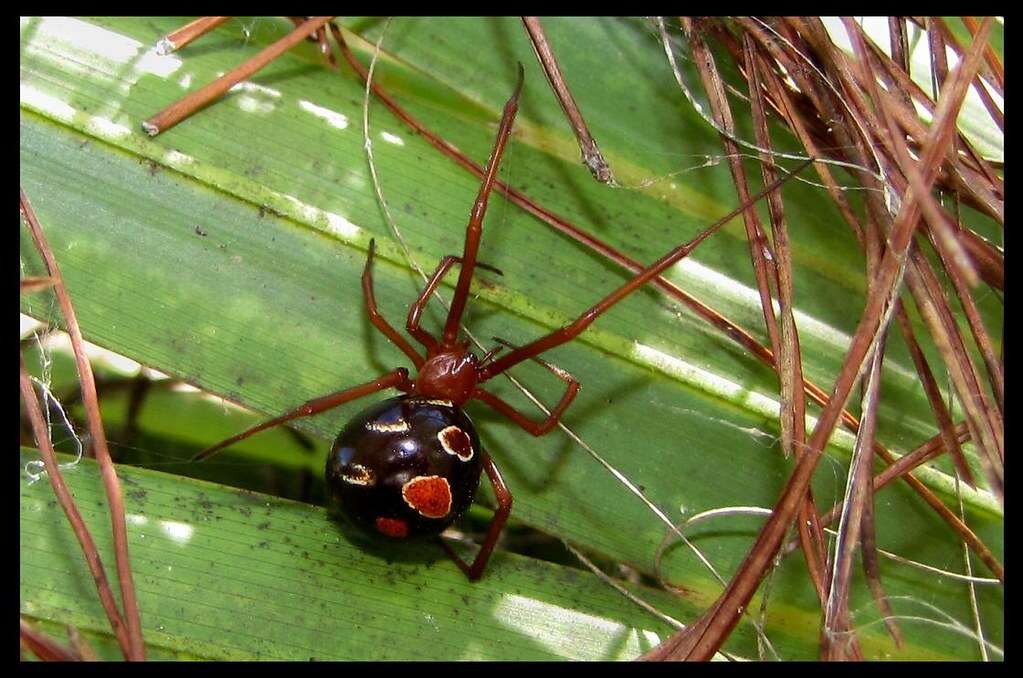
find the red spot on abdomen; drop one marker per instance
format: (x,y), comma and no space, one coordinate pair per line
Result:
(392,527)
(430,495)
(457,442)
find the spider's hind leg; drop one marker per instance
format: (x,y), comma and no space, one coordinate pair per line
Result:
(395,379)
(504,506)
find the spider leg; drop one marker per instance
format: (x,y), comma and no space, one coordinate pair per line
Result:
(575,328)
(534,427)
(396,379)
(504,505)
(475,228)
(378,320)
(416,309)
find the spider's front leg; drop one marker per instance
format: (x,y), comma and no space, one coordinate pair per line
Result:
(378,320)
(415,311)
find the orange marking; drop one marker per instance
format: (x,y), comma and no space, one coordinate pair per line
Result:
(457,442)
(392,527)
(430,495)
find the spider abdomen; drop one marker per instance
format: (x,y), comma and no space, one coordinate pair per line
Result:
(405,467)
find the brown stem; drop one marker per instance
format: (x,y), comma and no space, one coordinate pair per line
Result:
(44,647)
(783,333)
(187,33)
(67,503)
(592,157)
(188,105)
(99,438)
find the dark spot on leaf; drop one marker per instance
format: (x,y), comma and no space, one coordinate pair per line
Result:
(263,526)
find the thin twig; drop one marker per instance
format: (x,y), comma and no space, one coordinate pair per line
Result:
(187,33)
(974,607)
(591,155)
(44,647)
(109,474)
(837,627)
(933,393)
(67,503)
(195,101)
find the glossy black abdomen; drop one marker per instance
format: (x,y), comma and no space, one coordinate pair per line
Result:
(405,467)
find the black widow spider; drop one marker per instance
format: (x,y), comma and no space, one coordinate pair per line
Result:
(410,466)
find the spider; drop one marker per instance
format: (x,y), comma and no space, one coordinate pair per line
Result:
(410,466)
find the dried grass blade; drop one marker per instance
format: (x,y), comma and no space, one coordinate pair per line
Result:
(33,284)
(982,416)
(871,571)
(928,298)
(591,155)
(901,468)
(43,646)
(111,483)
(67,503)
(994,64)
(188,33)
(983,192)
(868,237)
(837,639)
(934,397)
(792,408)
(873,322)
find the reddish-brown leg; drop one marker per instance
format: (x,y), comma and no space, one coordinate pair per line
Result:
(537,428)
(475,228)
(504,505)
(396,379)
(378,320)
(416,309)
(571,331)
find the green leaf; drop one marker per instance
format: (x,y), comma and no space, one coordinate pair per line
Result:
(230,574)
(228,251)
